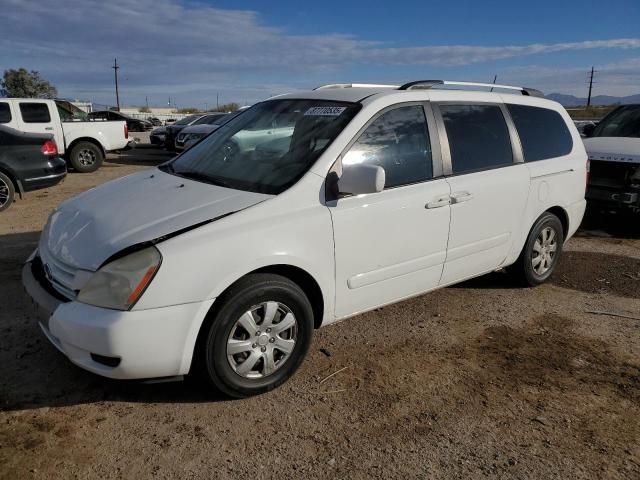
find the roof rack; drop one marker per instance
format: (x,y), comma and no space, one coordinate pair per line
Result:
(427,84)
(354,85)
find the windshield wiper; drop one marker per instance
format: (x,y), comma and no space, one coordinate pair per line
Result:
(202,177)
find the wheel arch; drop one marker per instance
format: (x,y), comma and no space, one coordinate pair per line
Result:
(17,185)
(72,145)
(299,276)
(562,215)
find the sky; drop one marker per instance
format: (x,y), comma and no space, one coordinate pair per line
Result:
(194,52)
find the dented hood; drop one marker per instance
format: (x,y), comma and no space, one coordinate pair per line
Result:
(88,229)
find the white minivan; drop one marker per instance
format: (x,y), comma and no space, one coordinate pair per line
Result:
(225,259)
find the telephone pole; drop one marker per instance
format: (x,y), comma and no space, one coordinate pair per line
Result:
(115,72)
(590,87)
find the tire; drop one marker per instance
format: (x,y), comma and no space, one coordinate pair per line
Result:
(7,192)
(533,266)
(254,296)
(86,157)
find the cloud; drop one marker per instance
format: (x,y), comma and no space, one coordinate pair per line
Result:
(192,50)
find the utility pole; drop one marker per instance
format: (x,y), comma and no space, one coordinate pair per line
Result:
(115,72)
(590,87)
(217,101)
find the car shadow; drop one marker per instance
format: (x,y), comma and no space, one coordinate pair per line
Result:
(599,222)
(142,154)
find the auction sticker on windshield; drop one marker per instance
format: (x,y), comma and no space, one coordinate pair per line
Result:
(325,111)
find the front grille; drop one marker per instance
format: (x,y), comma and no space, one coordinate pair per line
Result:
(59,274)
(39,274)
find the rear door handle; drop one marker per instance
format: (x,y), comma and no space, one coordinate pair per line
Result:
(460,197)
(439,202)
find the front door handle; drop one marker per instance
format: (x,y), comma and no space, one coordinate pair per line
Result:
(460,197)
(439,202)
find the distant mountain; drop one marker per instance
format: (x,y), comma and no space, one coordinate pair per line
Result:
(572,101)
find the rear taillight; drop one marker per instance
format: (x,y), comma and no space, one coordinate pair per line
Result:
(587,177)
(49,148)
(126,131)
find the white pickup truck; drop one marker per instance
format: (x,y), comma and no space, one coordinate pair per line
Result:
(83,144)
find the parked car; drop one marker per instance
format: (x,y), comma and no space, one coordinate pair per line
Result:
(155,121)
(238,249)
(192,134)
(199,129)
(171,131)
(157,136)
(613,146)
(28,161)
(83,144)
(134,124)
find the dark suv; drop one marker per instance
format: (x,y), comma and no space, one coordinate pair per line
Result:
(133,124)
(28,161)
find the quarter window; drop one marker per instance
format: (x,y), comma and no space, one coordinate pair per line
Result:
(35,112)
(397,141)
(478,137)
(5,112)
(543,133)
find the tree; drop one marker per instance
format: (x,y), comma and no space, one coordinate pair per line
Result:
(24,84)
(188,110)
(144,110)
(227,107)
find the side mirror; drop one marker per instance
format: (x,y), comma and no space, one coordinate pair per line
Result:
(361,178)
(587,131)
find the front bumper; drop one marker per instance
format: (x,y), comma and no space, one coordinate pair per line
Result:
(134,344)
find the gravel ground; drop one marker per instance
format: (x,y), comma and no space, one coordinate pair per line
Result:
(478,380)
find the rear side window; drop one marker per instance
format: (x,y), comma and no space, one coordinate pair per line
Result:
(5,112)
(35,112)
(397,141)
(478,137)
(543,133)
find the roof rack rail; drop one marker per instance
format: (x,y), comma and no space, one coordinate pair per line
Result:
(354,85)
(427,84)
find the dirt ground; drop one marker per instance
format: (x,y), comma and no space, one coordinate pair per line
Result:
(479,380)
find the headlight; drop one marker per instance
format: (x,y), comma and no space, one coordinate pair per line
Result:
(120,283)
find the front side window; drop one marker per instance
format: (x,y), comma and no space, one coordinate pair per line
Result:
(543,133)
(35,112)
(622,122)
(397,141)
(478,137)
(267,148)
(5,112)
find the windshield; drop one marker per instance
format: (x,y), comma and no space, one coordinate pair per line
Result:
(208,119)
(187,120)
(622,122)
(267,148)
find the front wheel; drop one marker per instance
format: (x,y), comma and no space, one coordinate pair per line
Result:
(86,157)
(541,252)
(259,336)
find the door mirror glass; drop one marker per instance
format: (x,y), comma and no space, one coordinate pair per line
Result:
(361,178)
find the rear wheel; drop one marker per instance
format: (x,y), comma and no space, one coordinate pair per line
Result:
(541,252)
(259,336)
(86,157)
(7,192)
